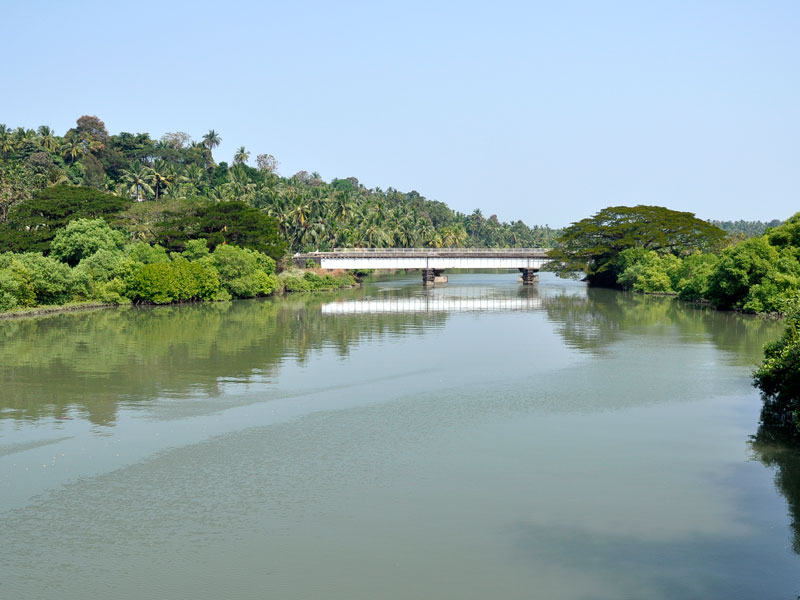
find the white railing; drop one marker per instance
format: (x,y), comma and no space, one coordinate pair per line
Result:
(437,251)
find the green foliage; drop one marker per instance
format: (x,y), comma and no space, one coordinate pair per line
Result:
(34,223)
(82,238)
(308,281)
(144,253)
(778,377)
(196,249)
(594,244)
(740,267)
(648,272)
(244,273)
(176,281)
(746,228)
(51,280)
(693,275)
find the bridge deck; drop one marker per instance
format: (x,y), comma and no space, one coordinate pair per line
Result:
(428,258)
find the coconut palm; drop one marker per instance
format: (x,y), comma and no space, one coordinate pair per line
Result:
(241,156)
(211,140)
(73,147)
(6,141)
(162,175)
(47,138)
(138,178)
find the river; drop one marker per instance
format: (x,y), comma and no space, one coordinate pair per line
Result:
(480,439)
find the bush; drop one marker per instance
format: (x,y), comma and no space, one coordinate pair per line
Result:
(294,281)
(82,238)
(16,284)
(50,278)
(778,377)
(740,267)
(693,275)
(180,280)
(144,253)
(647,271)
(196,249)
(244,273)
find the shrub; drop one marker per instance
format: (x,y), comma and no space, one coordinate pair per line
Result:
(50,278)
(144,253)
(180,280)
(244,273)
(82,238)
(778,377)
(740,267)
(196,249)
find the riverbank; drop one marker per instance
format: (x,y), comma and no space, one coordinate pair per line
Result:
(292,281)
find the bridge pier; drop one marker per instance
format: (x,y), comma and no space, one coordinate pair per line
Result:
(529,276)
(431,276)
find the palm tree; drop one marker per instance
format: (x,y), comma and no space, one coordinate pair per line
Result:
(138,178)
(193,175)
(73,147)
(241,156)
(47,138)
(162,174)
(211,140)
(6,143)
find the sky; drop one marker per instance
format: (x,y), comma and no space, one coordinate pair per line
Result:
(540,111)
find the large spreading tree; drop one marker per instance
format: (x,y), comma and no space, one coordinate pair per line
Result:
(593,245)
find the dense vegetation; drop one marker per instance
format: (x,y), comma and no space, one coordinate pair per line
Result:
(181,175)
(745,229)
(655,250)
(596,244)
(89,261)
(778,378)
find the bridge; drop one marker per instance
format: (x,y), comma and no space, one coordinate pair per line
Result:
(432,261)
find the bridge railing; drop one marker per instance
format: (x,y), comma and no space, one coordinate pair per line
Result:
(438,250)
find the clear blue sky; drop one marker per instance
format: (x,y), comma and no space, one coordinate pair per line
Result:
(545,111)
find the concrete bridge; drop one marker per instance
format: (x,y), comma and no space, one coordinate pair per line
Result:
(432,261)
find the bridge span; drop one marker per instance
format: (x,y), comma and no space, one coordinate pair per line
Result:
(432,262)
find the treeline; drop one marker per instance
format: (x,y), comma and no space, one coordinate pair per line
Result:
(654,250)
(746,229)
(88,261)
(757,275)
(310,213)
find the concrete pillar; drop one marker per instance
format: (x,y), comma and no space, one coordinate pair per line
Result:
(431,276)
(529,276)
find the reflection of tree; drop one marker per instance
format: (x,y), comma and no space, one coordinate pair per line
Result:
(786,461)
(96,360)
(593,322)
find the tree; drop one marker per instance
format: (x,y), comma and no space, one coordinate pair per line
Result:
(138,178)
(33,224)
(241,156)
(16,185)
(82,238)
(266,163)
(593,244)
(212,139)
(73,147)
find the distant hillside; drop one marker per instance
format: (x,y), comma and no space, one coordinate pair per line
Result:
(746,228)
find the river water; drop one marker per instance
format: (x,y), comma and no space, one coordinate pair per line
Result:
(477,440)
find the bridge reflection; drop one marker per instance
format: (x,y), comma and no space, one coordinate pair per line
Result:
(432,304)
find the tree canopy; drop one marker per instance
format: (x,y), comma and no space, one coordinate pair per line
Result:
(593,244)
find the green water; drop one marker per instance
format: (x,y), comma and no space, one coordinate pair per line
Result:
(477,440)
